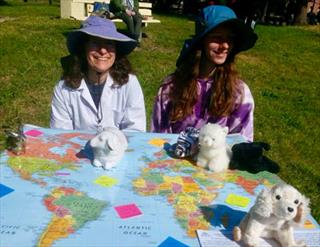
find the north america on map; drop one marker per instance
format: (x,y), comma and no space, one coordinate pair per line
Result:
(57,198)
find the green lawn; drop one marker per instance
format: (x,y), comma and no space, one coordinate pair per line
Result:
(282,71)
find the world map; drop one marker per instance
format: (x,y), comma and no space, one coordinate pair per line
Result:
(53,196)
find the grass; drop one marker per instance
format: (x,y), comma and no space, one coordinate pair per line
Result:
(282,71)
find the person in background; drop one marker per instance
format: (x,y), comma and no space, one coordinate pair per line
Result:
(98,88)
(128,11)
(205,87)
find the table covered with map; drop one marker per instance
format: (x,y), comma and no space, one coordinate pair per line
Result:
(52,196)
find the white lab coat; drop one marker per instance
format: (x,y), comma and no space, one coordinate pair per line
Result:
(120,106)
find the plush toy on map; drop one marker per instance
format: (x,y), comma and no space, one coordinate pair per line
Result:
(249,156)
(187,143)
(275,212)
(108,147)
(214,152)
(16,141)
(246,156)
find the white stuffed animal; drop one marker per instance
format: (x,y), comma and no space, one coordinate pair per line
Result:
(274,214)
(214,152)
(108,147)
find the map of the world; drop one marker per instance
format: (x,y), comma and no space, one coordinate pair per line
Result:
(51,195)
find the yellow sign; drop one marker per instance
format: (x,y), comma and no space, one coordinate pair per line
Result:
(237,200)
(158,142)
(106,181)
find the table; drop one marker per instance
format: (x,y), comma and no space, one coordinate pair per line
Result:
(52,195)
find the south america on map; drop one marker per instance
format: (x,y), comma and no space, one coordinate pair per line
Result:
(55,197)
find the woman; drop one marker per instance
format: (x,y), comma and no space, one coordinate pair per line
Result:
(98,88)
(128,11)
(205,86)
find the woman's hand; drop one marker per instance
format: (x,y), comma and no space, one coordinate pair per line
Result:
(130,12)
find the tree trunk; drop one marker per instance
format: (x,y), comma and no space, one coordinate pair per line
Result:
(300,17)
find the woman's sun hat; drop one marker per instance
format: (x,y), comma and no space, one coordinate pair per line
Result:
(102,28)
(215,16)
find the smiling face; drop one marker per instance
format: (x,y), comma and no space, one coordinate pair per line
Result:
(217,45)
(100,54)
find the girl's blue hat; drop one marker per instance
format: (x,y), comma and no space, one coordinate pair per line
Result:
(215,16)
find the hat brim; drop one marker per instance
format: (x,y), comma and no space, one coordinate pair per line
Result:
(124,44)
(245,38)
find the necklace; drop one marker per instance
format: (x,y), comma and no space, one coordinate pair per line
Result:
(205,76)
(96,92)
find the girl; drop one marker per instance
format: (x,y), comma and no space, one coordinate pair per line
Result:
(205,86)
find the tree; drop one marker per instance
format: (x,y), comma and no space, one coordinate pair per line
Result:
(300,15)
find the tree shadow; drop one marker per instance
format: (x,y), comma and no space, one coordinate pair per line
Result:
(187,17)
(222,216)
(86,152)
(4,3)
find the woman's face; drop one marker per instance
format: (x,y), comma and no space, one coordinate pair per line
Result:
(218,45)
(101,54)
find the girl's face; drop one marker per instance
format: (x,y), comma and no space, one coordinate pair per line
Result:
(217,45)
(100,54)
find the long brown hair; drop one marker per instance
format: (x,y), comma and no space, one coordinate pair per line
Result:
(75,67)
(184,92)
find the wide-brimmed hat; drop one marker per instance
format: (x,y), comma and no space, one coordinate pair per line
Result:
(103,28)
(215,16)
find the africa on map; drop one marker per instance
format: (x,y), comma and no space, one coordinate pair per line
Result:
(55,197)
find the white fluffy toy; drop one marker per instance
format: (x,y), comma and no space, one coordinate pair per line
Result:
(274,214)
(108,147)
(214,152)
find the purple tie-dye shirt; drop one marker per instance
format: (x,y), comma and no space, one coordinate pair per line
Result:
(239,121)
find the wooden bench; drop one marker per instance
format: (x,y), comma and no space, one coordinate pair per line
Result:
(81,9)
